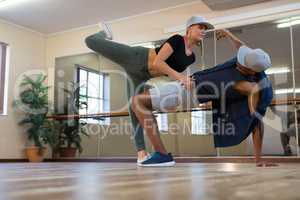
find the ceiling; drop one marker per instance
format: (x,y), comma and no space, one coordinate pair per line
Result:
(50,16)
(229,4)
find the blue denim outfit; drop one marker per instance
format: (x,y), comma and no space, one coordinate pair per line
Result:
(232,120)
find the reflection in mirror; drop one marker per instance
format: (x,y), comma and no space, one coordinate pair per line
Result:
(80,88)
(93,96)
(209,50)
(201,121)
(285,78)
(295,26)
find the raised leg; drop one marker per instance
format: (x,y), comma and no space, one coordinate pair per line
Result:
(122,54)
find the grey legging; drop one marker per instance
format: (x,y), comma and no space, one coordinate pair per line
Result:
(134,60)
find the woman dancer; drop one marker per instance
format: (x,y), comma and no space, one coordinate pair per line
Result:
(141,64)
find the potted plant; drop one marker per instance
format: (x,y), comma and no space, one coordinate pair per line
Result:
(71,130)
(70,138)
(33,101)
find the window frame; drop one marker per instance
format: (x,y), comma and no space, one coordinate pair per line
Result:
(162,120)
(106,121)
(3,72)
(202,120)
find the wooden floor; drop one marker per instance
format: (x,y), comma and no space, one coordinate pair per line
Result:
(88,181)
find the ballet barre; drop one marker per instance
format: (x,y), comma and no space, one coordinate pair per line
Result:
(202,107)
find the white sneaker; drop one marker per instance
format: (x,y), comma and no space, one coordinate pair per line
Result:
(107,30)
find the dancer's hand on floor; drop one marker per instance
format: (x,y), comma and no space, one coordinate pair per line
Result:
(186,81)
(266,164)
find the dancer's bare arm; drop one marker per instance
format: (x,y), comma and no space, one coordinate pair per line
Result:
(222,33)
(161,66)
(251,90)
(257,136)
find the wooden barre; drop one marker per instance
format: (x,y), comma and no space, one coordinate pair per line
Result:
(117,114)
(289,101)
(202,107)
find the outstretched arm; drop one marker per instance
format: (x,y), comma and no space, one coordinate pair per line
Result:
(236,42)
(252,91)
(257,136)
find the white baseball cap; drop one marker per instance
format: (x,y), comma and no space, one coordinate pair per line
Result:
(199,20)
(255,59)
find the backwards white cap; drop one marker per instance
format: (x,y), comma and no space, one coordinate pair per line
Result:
(198,20)
(254,59)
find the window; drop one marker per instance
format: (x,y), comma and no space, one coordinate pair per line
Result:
(3,57)
(199,123)
(93,93)
(162,122)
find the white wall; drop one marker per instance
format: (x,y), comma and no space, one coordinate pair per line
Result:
(27,52)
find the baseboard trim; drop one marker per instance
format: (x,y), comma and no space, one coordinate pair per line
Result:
(183,159)
(14,160)
(228,159)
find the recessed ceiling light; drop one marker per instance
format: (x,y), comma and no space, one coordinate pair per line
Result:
(288,24)
(292,21)
(287,20)
(4,3)
(278,70)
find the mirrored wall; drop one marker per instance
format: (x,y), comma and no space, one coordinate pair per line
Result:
(279,38)
(88,84)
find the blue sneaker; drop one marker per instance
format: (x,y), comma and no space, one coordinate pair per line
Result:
(158,159)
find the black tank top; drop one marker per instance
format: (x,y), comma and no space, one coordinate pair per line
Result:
(178,60)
